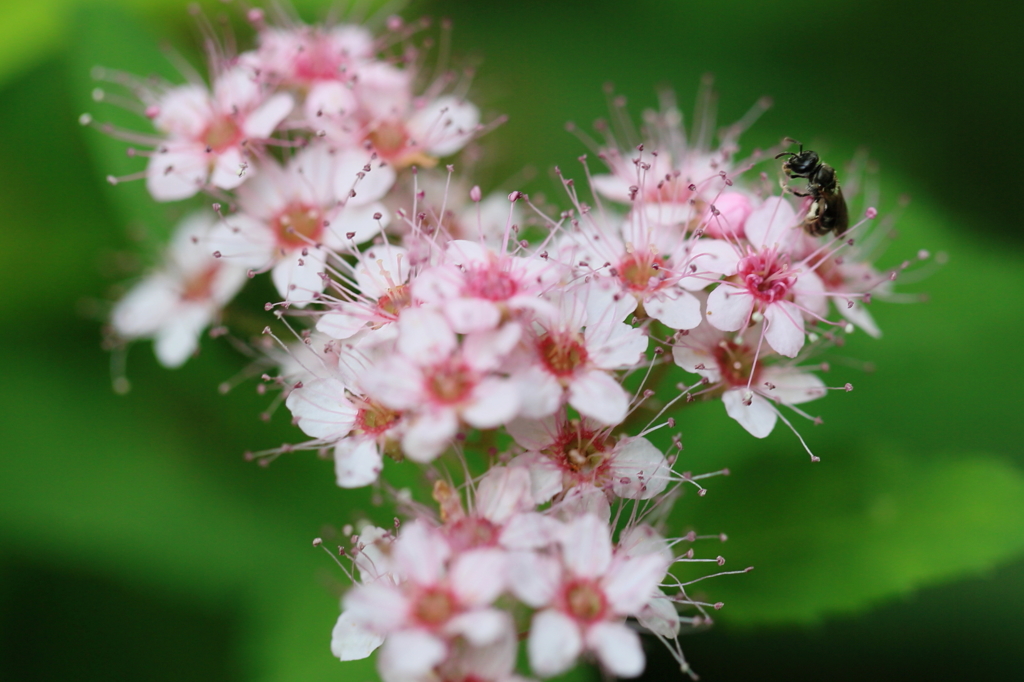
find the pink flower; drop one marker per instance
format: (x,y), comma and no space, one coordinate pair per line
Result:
(439,380)
(857,280)
(575,352)
(654,264)
(211,135)
(407,131)
(478,289)
(750,390)
(305,56)
(583,597)
(766,282)
(177,302)
(380,293)
(439,597)
(499,513)
(562,454)
(360,429)
(293,217)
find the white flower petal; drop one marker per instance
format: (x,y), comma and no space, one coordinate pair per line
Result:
(424,336)
(530,530)
(177,173)
(352,642)
(545,475)
(486,350)
(420,553)
(710,256)
(587,546)
(478,576)
(229,169)
(758,418)
(631,582)
(772,223)
(322,409)
(729,308)
(342,325)
(179,337)
(502,492)
(533,578)
(639,470)
(659,616)
(480,627)
(429,434)
(859,315)
(468,315)
(410,655)
(262,121)
(675,309)
(355,224)
(377,606)
(791,386)
(494,402)
(554,643)
(444,126)
(540,393)
(533,434)
(784,330)
(617,648)
(597,395)
(583,500)
(357,462)
(297,277)
(350,175)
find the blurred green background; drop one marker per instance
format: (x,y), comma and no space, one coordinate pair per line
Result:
(136,544)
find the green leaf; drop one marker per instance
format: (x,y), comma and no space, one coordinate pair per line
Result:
(858,528)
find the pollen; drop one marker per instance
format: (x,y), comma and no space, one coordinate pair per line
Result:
(298,225)
(584,601)
(562,353)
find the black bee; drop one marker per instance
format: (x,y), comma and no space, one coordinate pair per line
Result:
(828,210)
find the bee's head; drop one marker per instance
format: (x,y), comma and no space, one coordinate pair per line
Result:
(800,164)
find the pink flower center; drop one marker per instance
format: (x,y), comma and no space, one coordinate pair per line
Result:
(671,190)
(319,60)
(735,362)
(638,269)
(491,283)
(470,532)
(767,275)
(222,134)
(434,607)
(391,142)
(395,300)
(373,419)
(584,600)
(389,139)
(298,225)
(562,352)
(579,451)
(450,382)
(199,287)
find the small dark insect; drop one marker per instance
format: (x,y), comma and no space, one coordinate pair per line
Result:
(828,209)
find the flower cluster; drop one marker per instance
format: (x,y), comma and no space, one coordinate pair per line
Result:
(349,109)
(446,597)
(532,349)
